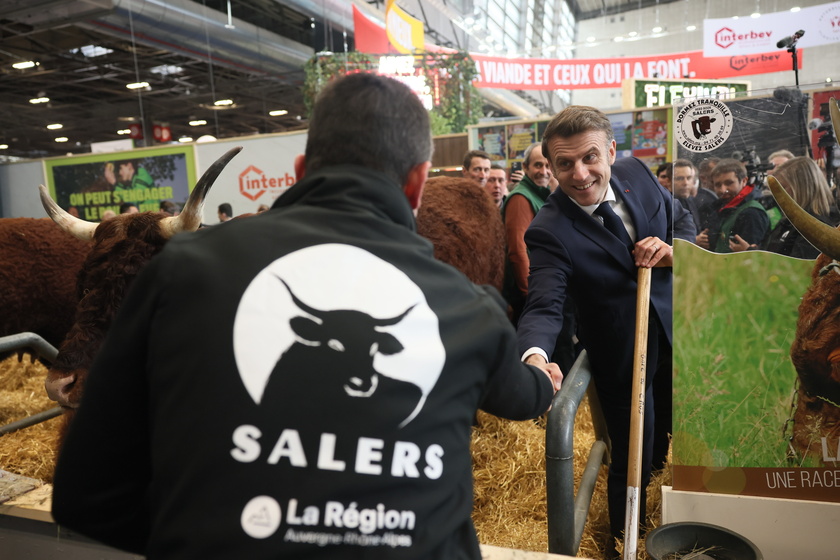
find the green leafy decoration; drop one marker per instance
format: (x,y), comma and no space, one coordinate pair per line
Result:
(452,73)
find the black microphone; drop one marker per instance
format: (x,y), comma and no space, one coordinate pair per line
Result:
(788,41)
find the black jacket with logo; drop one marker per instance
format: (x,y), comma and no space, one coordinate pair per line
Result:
(296,384)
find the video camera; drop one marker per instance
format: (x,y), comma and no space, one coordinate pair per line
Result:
(826,142)
(823,126)
(756,171)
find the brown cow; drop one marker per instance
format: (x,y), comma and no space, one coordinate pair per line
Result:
(464,225)
(40,263)
(121,247)
(815,352)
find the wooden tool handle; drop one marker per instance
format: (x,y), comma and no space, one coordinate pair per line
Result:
(637,416)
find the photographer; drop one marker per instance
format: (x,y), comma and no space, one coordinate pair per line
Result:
(742,220)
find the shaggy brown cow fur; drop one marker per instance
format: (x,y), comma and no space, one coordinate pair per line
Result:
(464,225)
(121,247)
(40,263)
(815,354)
(815,351)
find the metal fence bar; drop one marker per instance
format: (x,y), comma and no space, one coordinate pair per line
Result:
(566,512)
(30,420)
(41,348)
(31,341)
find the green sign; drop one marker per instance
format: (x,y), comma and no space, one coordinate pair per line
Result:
(658,93)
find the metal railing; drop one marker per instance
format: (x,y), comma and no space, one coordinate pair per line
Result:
(42,349)
(567,511)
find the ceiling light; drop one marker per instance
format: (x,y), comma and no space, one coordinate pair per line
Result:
(185,139)
(61,139)
(55,126)
(205,138)
(632,34)
(124,131)
(795,9)
(691,28)
(137,85)
(91,51)
(4,146)
(755,15)
(618,39)
(166,69)
(590,39)
(223,102)
(657,29)
(278,113)
(24,65)
(36,100)
(199,122)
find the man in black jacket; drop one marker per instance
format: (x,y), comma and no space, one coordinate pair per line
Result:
(301,383)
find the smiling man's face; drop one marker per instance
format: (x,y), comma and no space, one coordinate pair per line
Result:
(581,164)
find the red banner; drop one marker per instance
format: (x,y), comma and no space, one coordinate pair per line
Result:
(590,73)
(369,36)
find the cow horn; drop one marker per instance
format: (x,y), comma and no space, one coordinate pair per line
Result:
(394,320)
(76,227)
(820,235)
(190,217)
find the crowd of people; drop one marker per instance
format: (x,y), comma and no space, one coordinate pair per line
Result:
(733,211)
(339,375)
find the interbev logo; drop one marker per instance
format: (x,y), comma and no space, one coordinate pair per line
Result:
(829,24)
(726,37)
(253,183)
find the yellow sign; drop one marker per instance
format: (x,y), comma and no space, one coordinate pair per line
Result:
(404,31)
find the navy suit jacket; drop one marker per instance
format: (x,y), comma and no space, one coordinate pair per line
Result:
(573,254)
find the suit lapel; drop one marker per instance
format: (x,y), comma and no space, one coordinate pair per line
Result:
(591,228)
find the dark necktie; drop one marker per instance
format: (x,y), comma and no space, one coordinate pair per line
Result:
(614,224)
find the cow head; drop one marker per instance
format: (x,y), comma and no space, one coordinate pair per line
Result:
(815,352)
(121,247)
(347,340)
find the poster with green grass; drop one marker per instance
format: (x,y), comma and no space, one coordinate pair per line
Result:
(743,424)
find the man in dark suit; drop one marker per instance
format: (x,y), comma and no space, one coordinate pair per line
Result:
(574,254)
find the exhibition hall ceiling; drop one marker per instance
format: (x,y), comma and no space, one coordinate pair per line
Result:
(588,9)
(84,89)
(166,45)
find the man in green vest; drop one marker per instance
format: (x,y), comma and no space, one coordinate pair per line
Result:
(743,221)
(519,208)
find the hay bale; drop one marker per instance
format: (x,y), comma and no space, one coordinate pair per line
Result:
(509,475)
(509,472)
(508,466)
(29,452)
